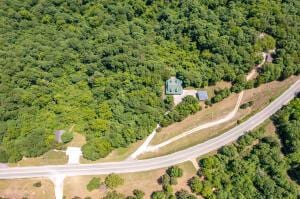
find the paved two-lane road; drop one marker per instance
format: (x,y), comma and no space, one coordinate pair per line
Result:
(159,162)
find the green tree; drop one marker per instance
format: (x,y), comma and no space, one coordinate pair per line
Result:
(165,179)
(3,156)
(67,137)
(266,43)
(113,181)
(96,148)
(169,102)
(189,105)
(158,195)
(139,194)
(175,171)
(168,189)
(93,184)
(196,185)
(184,194)
(173,181)
(114,195)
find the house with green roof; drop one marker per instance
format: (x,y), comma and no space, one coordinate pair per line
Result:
(174,86)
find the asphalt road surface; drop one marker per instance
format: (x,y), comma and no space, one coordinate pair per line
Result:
(159,162)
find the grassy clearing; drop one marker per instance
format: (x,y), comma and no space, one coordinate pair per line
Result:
(190,140)
(206,115)
(201,117)
(19,188)
(261,97)
(220,85)
(77,141)
(145,181)
(50,158)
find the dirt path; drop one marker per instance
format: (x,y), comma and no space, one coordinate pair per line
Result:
(145,147)
(198,128)
(253,72)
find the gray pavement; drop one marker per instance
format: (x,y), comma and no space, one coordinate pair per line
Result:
(159,162)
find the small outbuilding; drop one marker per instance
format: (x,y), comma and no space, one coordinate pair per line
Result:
(174,86)
(58,135)
(202,95)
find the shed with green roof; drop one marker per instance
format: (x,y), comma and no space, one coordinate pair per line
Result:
(174,86)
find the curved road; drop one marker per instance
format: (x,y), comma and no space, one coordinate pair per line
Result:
(159,162)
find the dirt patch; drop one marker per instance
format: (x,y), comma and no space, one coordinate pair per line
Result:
(78,140)
(19,188)
(178,98)
(265,93)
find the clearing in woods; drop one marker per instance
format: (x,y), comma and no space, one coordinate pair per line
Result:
(261,97)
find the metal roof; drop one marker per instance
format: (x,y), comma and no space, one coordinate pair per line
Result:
(174,86)
(202,95)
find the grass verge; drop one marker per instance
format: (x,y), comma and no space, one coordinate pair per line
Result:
(261,97)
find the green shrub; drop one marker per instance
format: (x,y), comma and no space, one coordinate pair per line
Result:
(175,171)
(158,195)
(93,184)
(189,105)
(165,179)
(37,184)
(173,181)
(3,156)
(168,189)
(184,194)
(246,105)
(113,181)
(220,95)
(67,137)
(196,185)
(114,195)
(139,194)
(96,148)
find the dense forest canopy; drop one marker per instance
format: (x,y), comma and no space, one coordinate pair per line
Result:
(254,166)
(100,64)
(288,127)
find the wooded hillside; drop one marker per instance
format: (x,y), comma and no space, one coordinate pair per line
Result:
(254,166)
(100,64)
